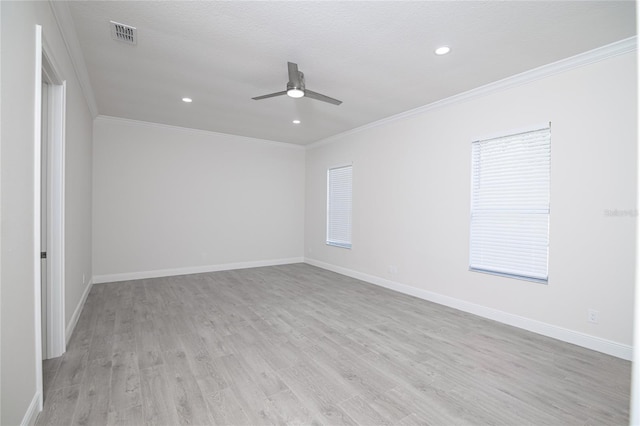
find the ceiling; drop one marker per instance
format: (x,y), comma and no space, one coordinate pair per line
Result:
(377,57)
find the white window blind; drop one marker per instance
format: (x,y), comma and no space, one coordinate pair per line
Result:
(339,180)
(510,205)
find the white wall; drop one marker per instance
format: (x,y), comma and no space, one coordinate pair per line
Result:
(169,200)
(411,180)
(78,194)
(18,387)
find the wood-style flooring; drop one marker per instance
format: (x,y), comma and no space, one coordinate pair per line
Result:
(299,345)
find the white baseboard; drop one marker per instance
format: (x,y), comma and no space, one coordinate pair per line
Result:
(581,339)
(109,278)
(76,313)
(34,409)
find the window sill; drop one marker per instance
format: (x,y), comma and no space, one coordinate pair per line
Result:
(341,245)
(514,276)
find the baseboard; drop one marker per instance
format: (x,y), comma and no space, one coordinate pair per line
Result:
(34,409)
(76,313)
(109,278)
(581,339)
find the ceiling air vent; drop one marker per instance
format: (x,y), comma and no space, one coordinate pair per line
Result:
(123,33)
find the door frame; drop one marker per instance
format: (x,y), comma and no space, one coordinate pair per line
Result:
(57,89)
(45,63)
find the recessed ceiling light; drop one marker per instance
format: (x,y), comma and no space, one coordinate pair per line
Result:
(187,100)
(443,50)
(296,121)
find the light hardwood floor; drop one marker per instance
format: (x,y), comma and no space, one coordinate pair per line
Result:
(297,344)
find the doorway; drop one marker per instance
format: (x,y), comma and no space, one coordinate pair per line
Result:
(52,152)
(44,183)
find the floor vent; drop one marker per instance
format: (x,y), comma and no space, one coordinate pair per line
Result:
(123,33)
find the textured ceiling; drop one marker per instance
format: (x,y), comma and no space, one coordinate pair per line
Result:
(377,57)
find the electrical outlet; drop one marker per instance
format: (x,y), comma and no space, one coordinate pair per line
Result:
(83,279)
(592,316)
(392,269)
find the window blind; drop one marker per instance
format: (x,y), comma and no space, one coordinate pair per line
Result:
(339,192)
(510,205)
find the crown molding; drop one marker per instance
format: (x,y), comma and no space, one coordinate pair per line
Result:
(601,53)
(197,131)
(62,16)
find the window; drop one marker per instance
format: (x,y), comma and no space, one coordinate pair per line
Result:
(339,206)
(510,205)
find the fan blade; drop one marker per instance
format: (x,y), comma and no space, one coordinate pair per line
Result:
(320,97)
(271,95)
(294,75)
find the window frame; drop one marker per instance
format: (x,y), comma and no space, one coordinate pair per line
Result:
(342,243)
(520,271)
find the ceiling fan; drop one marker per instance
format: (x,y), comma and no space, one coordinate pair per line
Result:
(296,89)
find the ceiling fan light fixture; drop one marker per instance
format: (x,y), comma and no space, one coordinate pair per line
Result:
(295,93)
(296,88)
(442,50)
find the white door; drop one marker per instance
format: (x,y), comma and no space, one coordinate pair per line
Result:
(44,202)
